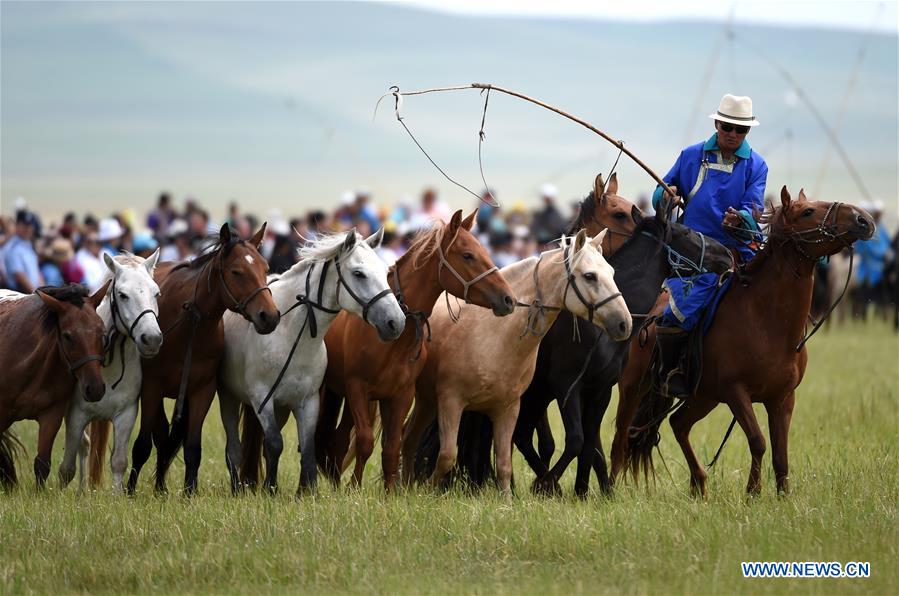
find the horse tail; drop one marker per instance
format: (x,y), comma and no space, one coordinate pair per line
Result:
(643,436)
(10,447)
(375,416)
(99,435)
(475,446)
(250,447)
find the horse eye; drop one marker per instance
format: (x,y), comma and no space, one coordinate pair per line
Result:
(590,276)
(67,336)
(359,274)
(468,256)
(236,273)
(619,215)
(123,296)
(808,212)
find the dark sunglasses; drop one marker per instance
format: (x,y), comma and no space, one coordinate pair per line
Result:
(727,127)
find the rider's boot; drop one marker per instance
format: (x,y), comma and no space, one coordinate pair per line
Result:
(672,341)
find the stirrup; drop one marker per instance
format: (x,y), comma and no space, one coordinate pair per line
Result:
(667,383)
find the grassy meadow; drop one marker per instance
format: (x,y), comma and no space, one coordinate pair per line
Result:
(655,539)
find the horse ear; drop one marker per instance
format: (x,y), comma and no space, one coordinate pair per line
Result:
(350,240)
(580,241)
(613,184)
(636,215)
(50,302)
(455,221)
(110,262)
(225,234)
(597,240)
(98,296)
(256,240)
(785,199)
(599,189)
(375,239)
(150,263)
(468,222)
(801,198)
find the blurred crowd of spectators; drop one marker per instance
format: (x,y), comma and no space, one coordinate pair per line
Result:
(35,253)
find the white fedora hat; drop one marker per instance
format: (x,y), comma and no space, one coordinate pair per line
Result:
(736,110)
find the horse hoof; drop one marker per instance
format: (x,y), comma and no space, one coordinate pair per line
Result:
(546,488)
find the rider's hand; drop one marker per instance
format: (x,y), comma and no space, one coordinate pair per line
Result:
(666,196)
(732,219)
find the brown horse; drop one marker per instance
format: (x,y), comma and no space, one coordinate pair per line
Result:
(363,369)
(231,275)
(754,352)
(63,339)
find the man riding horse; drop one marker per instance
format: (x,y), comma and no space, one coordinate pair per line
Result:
(725,182)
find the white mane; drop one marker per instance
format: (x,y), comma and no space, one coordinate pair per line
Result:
(325,247)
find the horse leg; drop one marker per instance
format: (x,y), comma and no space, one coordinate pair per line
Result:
(76,421)
(48,426)
(122,425)
(683,419)
(423,412)
(503,428)
(448,417)
(546,445)
(530,416)
(574,444)
(306,416)
(198,407)
(229,408)
(629,398)
(779,417)
(272,447)
(358,402)
(326,434)
(168,441)
(150,405)
(393,414)
(592,456)
(741,406)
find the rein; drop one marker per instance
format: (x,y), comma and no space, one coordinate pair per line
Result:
(419,318)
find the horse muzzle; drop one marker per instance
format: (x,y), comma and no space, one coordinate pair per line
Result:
(93,391)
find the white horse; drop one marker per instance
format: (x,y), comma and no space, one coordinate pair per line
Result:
(130,313)
(339,272)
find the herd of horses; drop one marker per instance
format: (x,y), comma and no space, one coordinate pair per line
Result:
(347,345)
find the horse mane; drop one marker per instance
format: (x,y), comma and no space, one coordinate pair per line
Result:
(585,214)
(775,219)
(425,244)
(325,247)
(73,294)
(213,246)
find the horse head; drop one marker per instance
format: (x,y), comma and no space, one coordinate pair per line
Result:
(467,271)
(612,212)
(368,295)
(818,228)
(590,291)
(81,334)
(243,276)
(132,300)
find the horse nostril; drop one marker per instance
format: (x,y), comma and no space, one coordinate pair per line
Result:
(391,324)
(144,339)
(861,220)
(507,300)
(263,316)
(622,327)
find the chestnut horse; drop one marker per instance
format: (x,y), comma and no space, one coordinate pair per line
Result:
(52,343)
(755,350)
(230,275)
(363,369)
(485,365)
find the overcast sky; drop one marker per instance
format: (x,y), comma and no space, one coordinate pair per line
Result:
(803,13)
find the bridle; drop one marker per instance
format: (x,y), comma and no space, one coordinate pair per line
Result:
(240,307)
(820,234)
(311,306)
(419,318)
(127,331)
(73,366)
(443,262)
(536,308)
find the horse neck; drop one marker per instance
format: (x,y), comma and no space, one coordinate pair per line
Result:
(293,283)
(207,291)
(781,291)
(420,286)
(520,277)
(640,267)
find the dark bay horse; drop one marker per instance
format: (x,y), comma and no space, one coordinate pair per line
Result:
(363,369)
(755,350)
(52,343)
(230,275)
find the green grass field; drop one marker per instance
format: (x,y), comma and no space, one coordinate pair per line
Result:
(657,539)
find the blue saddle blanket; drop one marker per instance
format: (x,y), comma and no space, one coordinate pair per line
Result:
(694,299)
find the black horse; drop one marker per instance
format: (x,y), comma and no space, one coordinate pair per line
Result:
(578,365)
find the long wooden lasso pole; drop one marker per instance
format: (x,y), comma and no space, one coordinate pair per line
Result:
(398,95)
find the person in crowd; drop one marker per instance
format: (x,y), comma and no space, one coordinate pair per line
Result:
(19,257)
(110,236)
(548,224)
(872,257)
(161,218)
(59,266)
(89,258)
(432,209)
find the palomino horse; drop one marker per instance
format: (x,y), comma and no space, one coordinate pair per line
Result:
(361,368)
(485,365)
(755,350)
(63,340)
(130,313)
(294,356)
(230,275)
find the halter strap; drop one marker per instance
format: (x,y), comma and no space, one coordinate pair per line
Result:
(443,262)
(365,305)
(419,318)
(73,366)
(239,306)
(572,283)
